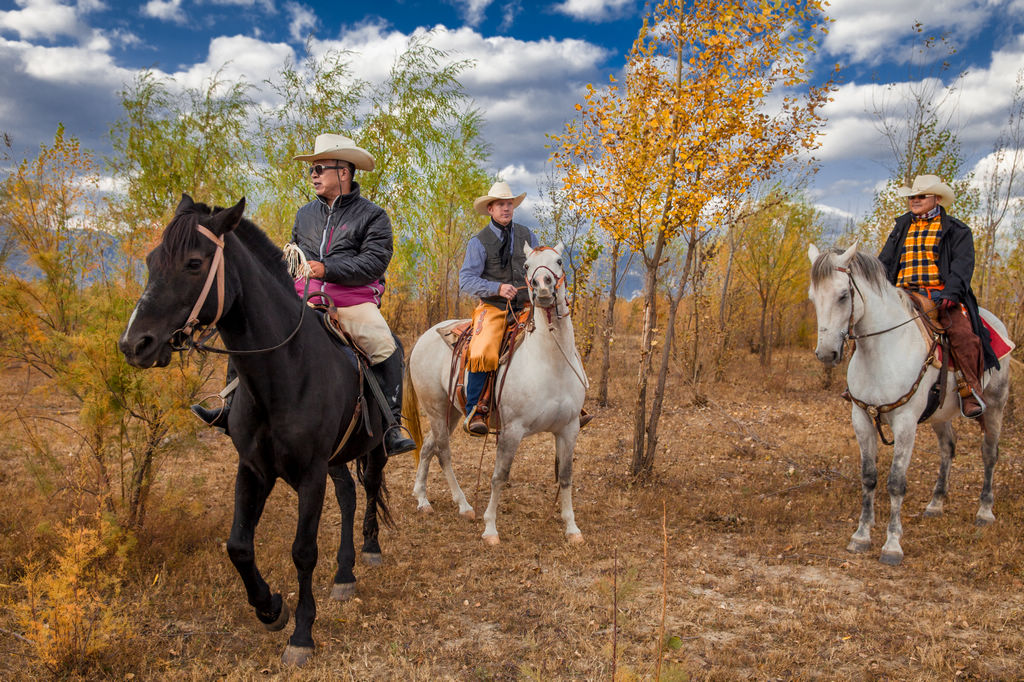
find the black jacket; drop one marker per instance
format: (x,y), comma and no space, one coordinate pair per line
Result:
(359,232)
(956,266)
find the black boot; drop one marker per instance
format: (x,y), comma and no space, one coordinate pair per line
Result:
(389,377)
(218,417)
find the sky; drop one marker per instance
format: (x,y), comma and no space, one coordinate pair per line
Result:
(64,61)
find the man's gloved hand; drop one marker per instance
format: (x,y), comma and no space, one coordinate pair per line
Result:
(947,304)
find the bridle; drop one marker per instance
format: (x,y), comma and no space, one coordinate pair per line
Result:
(194,335)
(848,335)
(559,282)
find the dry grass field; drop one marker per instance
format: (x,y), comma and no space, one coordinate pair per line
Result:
(760,490)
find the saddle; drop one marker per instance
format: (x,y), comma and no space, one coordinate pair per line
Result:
(457,336)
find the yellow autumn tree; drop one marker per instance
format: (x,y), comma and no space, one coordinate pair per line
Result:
(716,98)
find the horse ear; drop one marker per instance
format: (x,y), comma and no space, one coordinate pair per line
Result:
(559,247)
(527,249)
(228,219)
(843,259)
(813,253)
(185,204)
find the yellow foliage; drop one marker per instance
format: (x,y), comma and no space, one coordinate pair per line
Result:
(71,613)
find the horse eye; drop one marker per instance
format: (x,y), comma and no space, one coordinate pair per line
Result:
(842,297)
(194,263)
(559,261)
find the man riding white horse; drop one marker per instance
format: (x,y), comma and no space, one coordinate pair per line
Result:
(347,242)
(931,252)
(494,270)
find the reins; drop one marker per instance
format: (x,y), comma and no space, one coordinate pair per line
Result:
(876,411)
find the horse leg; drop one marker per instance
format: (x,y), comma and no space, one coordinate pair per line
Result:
(304,555)
(508,443)
(345,492)
(995,397)
(947,450)
(565,444)
(904,429)
(419,488)
(251,493)
(868,442)
(373,484)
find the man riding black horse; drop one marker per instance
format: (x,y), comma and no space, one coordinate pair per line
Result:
(347,241)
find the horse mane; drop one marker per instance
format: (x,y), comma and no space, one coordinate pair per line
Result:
(864,267)
(181,236)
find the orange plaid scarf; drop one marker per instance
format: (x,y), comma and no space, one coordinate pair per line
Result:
(919,262)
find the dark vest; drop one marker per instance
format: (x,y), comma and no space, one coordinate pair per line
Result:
(514,274)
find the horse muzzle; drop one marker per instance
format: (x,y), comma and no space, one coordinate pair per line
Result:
(144,351)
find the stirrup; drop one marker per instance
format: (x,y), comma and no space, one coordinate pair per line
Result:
(981,404)
(469,418)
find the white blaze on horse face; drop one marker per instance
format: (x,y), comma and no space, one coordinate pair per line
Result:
(135,312)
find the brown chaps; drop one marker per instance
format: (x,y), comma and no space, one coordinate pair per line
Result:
(965,346)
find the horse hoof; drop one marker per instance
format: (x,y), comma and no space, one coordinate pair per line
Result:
(425,509)
(930,513)
(858,546)
(296,655)
(468,514)
(891,558)
(491,539)
(281,621)
(575,538)
(372,558)
(342,591)
(982,521)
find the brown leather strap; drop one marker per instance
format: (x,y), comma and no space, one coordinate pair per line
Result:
(216,272)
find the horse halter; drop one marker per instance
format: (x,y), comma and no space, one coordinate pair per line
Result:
(848,335)
(216,273)
(559,281)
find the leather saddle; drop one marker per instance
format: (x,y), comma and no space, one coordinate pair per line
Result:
(458,335)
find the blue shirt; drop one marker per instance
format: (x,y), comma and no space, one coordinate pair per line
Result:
(470,280)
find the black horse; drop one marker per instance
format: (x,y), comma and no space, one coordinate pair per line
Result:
(295,402)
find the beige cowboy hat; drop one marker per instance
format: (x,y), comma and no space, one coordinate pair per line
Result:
(499,190)
(929,184)
(331,146)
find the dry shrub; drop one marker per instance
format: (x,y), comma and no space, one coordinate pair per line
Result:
(71,613)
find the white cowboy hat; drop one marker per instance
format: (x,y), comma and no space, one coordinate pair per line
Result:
(499,190)
(929,184)
(331,146)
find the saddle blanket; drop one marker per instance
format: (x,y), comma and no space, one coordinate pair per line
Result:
(1000,346)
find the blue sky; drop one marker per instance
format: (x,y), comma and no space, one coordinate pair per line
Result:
(65,60)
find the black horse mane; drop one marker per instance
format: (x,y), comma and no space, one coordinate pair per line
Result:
(181,236)
(864,267)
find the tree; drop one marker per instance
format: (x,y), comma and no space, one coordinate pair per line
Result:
(667,155)
(771,260)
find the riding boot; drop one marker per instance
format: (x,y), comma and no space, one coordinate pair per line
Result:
(965,347)
(476,414)
(218,417)
(388,373)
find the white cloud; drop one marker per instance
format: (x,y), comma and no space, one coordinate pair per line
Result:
(302,20)
(164,10)
(871,31)
(237,58)
(472,10)
(43,19)
(594,10)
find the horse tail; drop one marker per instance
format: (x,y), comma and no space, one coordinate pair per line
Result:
(411,414)
(373,465)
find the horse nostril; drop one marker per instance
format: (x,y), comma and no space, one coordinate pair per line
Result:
(144,341)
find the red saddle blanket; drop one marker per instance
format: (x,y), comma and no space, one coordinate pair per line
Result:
(1000,346)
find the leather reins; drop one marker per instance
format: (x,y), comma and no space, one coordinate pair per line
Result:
(876,411)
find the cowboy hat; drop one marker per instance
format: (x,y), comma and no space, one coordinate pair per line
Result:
(929,184)
(331,146)
(499,190)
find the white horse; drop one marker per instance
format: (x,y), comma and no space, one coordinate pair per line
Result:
(853,298)
(544,388)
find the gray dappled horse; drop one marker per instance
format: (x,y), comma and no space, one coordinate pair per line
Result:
(295,403)
(543,392)
(853,298)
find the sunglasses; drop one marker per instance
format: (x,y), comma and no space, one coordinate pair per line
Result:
(319,169)
(917,197)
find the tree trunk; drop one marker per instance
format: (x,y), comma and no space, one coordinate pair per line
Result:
(641,464)
(609,329)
